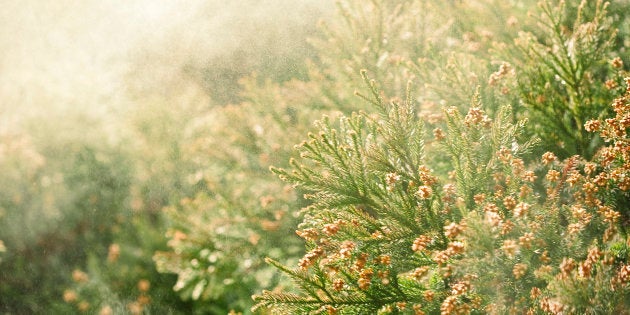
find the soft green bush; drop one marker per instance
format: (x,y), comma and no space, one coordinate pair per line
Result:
(122,278)
(116,193)
(220,235)
(60,202)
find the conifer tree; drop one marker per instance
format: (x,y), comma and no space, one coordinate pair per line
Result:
(402,199)
(386,233)
(564,72)
(380,218)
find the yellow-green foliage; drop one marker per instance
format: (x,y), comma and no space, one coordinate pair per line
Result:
(110,130)
(496,229)
(386,235)
(460,157)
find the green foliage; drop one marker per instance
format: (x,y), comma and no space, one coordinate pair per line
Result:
(464,195)
(57,210)
(221,231)
(564,73)
(487,233)
(476,152)
(372,196)
(371,252)
(347,180)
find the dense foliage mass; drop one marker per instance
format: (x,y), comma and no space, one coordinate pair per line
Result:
(466,157)
(487,227)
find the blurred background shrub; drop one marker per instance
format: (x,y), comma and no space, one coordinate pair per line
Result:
(102,112)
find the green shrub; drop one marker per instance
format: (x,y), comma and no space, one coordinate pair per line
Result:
(477,218)
(455,186)
(565,74)
(122,277)
(59,206)
(384,234)
(220,234)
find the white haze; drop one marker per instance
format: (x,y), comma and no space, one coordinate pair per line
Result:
(75,56)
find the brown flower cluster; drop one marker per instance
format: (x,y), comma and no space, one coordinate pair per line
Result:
(311,257)
(450,305)
(454,229)
(420,243)
(477,117)
(503,71)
